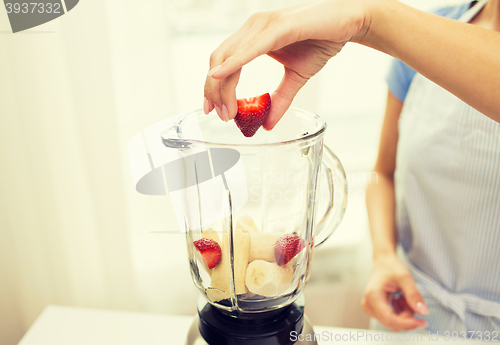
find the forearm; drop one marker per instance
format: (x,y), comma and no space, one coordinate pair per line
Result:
(380,205)
(462,58)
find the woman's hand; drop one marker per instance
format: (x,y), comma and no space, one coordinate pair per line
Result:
(301,37)
(389,275)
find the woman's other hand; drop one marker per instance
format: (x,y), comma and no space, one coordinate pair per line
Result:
(388,276)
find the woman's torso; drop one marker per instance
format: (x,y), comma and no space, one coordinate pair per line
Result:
(447,184)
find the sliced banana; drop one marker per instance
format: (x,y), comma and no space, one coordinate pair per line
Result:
(211,233)
(246,224)
(220,286)
(267,278)
(241,242)
(262,246)
(216,295)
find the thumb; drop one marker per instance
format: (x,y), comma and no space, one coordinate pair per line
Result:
(282,98)
(413,296)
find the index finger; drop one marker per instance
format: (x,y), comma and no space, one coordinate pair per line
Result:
(264,42)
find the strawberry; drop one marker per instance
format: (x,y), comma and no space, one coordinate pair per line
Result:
(210,251)
(286,247)
(398,302)
(252,113)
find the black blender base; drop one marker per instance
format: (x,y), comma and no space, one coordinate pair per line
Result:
(194,337)
(279,327)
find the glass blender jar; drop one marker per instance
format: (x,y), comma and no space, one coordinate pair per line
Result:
(264,203)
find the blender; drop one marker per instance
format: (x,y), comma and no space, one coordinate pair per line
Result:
(253,210)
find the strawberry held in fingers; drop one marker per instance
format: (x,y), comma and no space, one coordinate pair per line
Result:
(286,247)
(210,251)
(252,113)
(398,302)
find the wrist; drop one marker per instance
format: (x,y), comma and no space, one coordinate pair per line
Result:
(381,254)
(378,13)
(367,19)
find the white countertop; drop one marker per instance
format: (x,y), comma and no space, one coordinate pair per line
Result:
(78,326)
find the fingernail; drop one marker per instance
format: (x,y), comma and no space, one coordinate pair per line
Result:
(219,112)
(213,70)
(225,113)
(422,326)
(422,308)
(210,106)
(206,108)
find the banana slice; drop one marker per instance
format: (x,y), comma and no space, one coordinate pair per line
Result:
(241,241)
(262,246)
(211,233)
(246,224)
(216,295)
(220,286)
(268,279)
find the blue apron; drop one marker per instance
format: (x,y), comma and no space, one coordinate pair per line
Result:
(447,186)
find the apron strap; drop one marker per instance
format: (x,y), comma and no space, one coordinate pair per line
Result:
(473,11)
(459,303)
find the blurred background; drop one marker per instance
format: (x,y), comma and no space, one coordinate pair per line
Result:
(73,230)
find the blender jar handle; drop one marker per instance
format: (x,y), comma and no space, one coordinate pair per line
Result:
(337,184)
